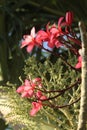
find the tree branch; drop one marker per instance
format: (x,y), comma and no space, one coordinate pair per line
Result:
(83,103)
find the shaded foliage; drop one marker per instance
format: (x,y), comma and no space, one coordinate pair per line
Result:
(54,78)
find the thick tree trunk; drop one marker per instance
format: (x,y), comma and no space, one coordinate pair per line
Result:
(3,46)
(83,104)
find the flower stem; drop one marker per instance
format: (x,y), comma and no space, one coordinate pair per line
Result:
(56,54)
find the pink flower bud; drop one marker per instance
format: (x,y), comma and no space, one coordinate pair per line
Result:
(69,18)
(27,89)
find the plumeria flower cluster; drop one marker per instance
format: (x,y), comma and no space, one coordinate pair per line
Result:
(55,35)
(30,89)
(51,34)
(34,89)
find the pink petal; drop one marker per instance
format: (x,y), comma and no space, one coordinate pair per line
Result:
(26,41)
(26,88)
(33,112)
(80,58)
(54,30)
(47,27)
(30,92)
(36,80)
(43,35)
(58,44)
(78,65)
(25,94)
(20,89)
(60,21)
(39,94)
(30,47)
(33,32)
(43,98)
(27,82)
(40,85)
(51,44)
(38,40)
(36,107)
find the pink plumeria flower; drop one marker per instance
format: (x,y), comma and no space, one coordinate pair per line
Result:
(53,38)
(29,40)
(50,35)
(36,106)
(27,89)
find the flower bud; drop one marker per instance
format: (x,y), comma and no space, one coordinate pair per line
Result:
(69,18)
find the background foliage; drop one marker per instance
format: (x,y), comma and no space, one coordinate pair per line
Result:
(54,77)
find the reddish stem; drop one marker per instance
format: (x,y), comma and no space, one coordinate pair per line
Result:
(56,107)
(63,90)
(56,54)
